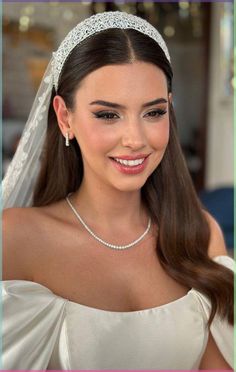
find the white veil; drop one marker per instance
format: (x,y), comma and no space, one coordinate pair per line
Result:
(19,181)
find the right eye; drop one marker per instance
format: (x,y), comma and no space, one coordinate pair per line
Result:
(105,115)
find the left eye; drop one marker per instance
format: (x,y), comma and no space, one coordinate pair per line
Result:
(156,113)
(105,115)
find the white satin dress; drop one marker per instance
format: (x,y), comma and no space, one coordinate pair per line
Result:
(44,331)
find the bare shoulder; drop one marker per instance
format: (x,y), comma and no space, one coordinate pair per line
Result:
(217,245)
(24,231)
(16,235)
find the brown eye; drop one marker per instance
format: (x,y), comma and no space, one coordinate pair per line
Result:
(106,115)
(156,113)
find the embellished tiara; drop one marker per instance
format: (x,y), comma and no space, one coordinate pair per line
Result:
(97,23)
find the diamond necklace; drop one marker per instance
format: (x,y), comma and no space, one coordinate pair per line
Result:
(113,246)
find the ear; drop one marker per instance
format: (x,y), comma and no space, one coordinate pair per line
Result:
(63,116)
(170,97)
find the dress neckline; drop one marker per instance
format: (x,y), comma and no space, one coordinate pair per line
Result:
(94,309)
(133,312)
(124,313)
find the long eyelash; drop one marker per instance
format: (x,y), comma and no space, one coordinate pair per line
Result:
(102,115)
(159,111)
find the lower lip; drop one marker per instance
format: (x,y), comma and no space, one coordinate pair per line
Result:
(136,169)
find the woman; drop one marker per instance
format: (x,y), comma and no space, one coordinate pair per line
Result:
(113,264)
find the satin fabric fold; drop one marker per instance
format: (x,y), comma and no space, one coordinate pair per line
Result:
(44,331)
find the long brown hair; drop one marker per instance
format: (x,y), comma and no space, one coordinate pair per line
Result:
(168,194)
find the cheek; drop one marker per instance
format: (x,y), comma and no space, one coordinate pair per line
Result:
(159,135)
(95,138)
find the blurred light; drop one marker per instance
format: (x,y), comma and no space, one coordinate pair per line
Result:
(24,21)
(86,2)
(54,3)
(169,31)
(68,14)
(184,5)
(28,10)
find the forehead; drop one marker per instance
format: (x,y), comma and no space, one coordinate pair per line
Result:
(139,78)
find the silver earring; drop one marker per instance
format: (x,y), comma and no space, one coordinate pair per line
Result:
(67,143)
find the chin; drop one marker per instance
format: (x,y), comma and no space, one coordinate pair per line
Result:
(130,186)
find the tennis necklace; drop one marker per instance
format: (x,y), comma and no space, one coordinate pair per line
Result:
(113,246)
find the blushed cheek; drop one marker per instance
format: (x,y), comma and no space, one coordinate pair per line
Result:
(99,141)
(160,137)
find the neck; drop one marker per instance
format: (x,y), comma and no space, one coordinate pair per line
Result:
(110,206)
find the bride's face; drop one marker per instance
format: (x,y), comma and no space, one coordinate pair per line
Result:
(124,125)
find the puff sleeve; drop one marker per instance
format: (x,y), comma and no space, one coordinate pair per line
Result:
(221,330)
(32,320)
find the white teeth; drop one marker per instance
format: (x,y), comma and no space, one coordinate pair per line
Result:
(130,163)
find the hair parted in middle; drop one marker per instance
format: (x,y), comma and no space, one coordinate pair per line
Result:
(183,231)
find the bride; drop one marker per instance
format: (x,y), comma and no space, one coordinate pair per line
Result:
(109,260)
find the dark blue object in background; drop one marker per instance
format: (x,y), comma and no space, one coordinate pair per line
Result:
(220,203)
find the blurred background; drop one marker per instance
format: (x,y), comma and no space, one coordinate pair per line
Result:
(200,40)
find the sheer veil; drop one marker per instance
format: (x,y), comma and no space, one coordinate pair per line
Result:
(19,181)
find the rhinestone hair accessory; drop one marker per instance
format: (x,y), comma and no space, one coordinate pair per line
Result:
(97,23)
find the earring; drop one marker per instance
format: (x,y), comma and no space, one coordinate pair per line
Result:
(67,142)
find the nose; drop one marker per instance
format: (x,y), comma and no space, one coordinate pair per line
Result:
(134,136)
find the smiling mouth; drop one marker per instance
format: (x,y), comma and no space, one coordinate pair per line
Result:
(130,166)
(129,163)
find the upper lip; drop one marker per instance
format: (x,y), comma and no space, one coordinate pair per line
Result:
(131,157)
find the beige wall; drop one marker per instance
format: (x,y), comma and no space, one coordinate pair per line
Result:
(219,159)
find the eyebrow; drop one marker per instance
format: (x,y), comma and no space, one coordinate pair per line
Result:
(117,105)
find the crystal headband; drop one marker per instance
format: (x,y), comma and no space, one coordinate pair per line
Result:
(97,23)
